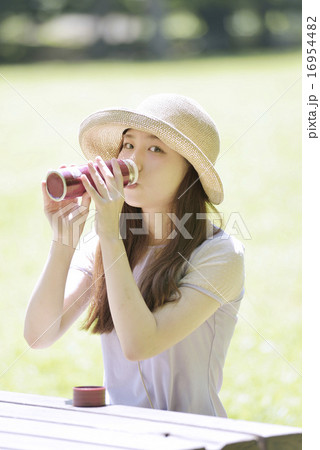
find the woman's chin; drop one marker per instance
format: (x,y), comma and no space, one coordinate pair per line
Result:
(132,202)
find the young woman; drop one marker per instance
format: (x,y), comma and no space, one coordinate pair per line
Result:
(162,283)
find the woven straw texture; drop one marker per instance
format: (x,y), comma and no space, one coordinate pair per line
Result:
(178,121)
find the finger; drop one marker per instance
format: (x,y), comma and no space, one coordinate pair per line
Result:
(91,191)
(117,175)
(102,164)
(98,179)
(67,211)
(45,195)
(103,178)
(114,181)
(86,200)
(106,172)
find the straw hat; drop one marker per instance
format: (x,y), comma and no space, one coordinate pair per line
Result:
(178,121)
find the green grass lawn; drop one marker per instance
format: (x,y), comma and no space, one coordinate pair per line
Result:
(255,101)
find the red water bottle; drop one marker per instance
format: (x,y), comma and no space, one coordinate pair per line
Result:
(66,183)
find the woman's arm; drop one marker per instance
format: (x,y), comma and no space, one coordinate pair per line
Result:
(143,333)
(58,299)
(53,307)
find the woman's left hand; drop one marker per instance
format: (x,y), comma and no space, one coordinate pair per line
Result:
(108,197)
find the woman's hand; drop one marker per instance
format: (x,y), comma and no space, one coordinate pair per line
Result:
(108,198)
(67,217)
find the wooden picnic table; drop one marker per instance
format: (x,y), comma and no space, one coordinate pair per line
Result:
(32,422)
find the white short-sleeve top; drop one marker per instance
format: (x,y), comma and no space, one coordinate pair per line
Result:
(188,376)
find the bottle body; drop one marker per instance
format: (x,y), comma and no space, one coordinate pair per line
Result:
(66,183)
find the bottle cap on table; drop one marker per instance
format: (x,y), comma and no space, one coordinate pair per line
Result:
(89,396)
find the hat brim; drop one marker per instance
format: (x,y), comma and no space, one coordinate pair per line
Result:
(101,134)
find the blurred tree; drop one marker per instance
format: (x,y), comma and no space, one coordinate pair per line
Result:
(205,26)
(158,43)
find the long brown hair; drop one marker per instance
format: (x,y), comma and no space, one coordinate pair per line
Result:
(160,281)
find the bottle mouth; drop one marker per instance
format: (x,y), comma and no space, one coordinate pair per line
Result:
(133,171)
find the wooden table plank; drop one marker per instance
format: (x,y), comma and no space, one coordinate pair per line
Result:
(134,425)
(107,438)
(153,427)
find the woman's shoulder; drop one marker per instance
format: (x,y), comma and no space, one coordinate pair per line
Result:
(216,267)
(219,244)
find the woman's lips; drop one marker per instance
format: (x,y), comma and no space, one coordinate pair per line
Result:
(131,186)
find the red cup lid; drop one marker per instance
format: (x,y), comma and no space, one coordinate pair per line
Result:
(84,396)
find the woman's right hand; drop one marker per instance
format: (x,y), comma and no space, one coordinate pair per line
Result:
(67,217)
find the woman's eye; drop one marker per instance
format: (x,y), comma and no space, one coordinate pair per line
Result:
(156,149)
(127,145)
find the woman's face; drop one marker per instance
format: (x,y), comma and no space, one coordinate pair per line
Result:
(161,171)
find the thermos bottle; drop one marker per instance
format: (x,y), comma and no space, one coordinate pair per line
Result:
(66,183)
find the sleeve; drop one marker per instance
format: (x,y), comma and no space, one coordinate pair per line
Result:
(83,258)
(216,268)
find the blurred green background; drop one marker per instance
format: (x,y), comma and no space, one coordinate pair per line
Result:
(139,29)
(250,84)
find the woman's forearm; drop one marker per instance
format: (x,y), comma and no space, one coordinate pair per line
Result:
(134,323)
(44,312)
